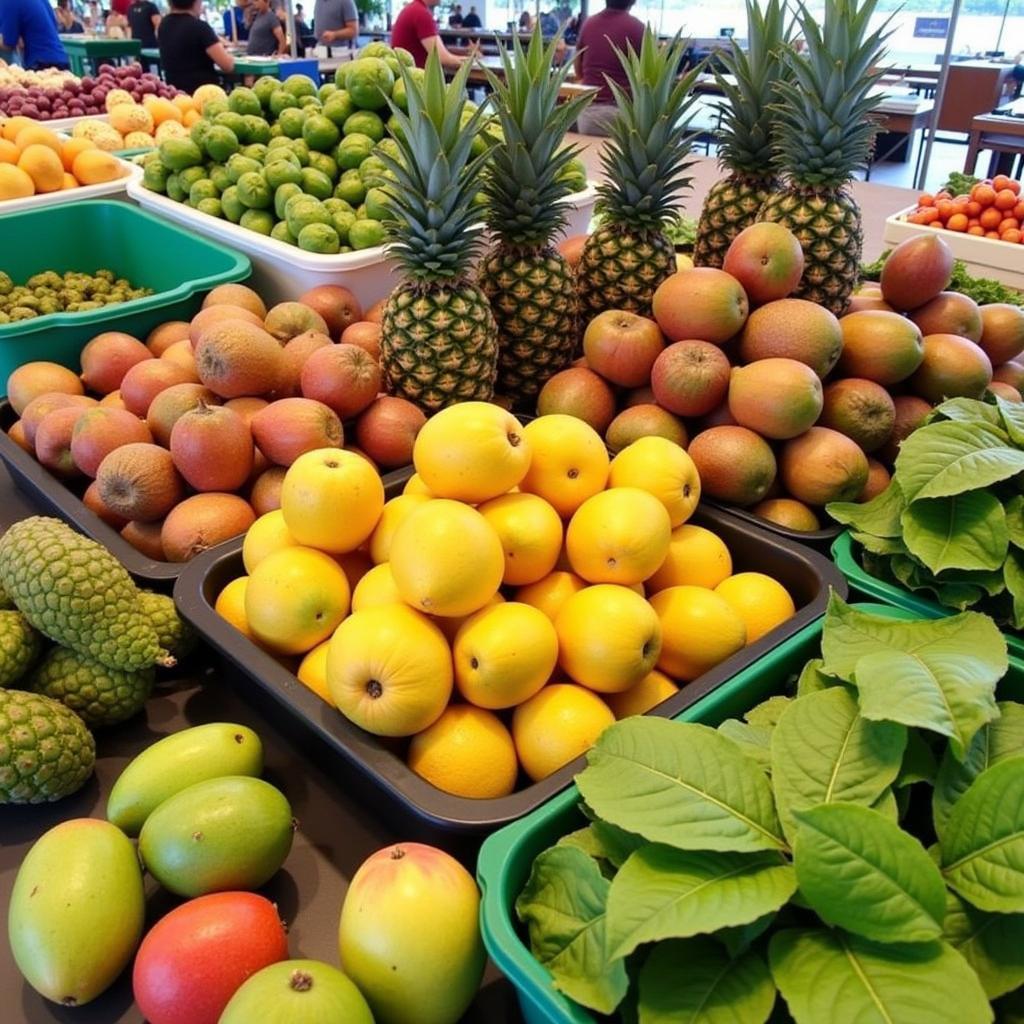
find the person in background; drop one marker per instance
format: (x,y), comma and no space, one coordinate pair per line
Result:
(1017,74)
(548,25)
(526,22)
(455,18)
(236,22)
(144,20)
(472,20)
(266,33)
(31,26)
(334,21)
(67,21)
(301,28)
(416,31)
(595,61)
(116,25)
(189,48)
(120,7)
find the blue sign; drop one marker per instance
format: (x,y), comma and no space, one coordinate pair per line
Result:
(931,28)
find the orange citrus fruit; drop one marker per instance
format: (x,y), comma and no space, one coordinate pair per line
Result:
(395,512)
(312,672)
(761,602)
(661,467)
(15,183)
(550,593)
(638,700)
(72,148)
(696,557)
(268,534)
(230,605)
(700,630)
(43,166)
(376,588)
(530,532)
(568,463)
(415,485)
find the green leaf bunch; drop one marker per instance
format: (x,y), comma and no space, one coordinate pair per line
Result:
(951,522)
(785,854)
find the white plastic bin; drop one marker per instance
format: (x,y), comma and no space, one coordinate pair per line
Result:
(116,189)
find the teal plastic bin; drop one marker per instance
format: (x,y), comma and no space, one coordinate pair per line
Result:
(507,856)
(861,581)
(180,268)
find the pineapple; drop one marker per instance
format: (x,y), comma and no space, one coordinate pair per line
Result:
(823,133)
(745,140)
(439,341)
(644,160)
(531,287)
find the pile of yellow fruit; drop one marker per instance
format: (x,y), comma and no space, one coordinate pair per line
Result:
(521,594)
(35,160)
(134,125)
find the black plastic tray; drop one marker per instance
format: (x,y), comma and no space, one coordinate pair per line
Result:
(376,770)
(821,539)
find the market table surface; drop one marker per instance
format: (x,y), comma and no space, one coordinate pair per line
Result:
(335,835)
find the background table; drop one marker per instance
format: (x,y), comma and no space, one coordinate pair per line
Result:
(87,53)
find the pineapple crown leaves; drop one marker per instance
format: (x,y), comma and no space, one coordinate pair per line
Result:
(649,138)
(524,183)
(434,230)
(823,131)
(746,124)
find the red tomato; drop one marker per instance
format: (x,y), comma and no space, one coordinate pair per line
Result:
(1006,199)
(1001,181)
(192,960)
(958,222)
(983,194)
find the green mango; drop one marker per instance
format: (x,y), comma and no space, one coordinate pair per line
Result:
(77,910)
(177,762)
(294,990)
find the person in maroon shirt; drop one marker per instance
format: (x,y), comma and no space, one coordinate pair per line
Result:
(595,60)
(416,31)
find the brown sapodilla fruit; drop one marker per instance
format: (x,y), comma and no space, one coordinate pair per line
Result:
(212,448)
(1011,372)
(859,302)
(53,440)
(644,421)
(206,318)
(343,377)
(878,480)
(788,513)
(571,248)
(166,409)
(113,400)
(366,335)
(884,347)
(578,392)
(776,398)
(288,319)
(911,412)
(861,409)
(949,313)
(388,429)
(701,302)
(336,304)
(375,314)
(246,407)
(622,347)
(822,466)
(1005,391)
(145,538)
(953,367)
(94,503)
(181,354)
(144,381)
(30,380)
(44,404)
(139,481)
(290,427)
(735,464)
(296,353)
(916,271)
(235,359)
(265,495)
(792,329)
(202,521)
(690,378)
(767,259)
(17,434)
(638,396)
(236,295)
(108,357)
(161,338)
(1002,331)
(99,431)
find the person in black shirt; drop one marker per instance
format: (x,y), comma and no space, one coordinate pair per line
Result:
(471,20)
(189,48)
(67,20)
(144,20)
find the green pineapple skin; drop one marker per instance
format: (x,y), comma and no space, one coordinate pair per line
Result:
(100,696)
(76,593)
(621,268)
(46,752)
(731,205)
(173,633)
(20,646)
(532,293)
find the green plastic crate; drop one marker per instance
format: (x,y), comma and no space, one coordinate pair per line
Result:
(179,266)
(862,581)
(507,856)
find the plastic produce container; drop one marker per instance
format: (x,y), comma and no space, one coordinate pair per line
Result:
(507,856)
(844,555)
(178,266)
(106,190)
(282,272)
(376,769)
(820,539)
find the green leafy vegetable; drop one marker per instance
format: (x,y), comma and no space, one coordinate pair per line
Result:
(965,531)
(993,944)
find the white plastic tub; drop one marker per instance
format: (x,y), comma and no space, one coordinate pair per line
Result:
(281,271)
(116,189)
(984,257)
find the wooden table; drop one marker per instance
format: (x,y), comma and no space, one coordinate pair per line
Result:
(1004,135)
(900,120)
(86,52)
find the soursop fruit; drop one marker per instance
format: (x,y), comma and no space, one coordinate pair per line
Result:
(76,593)
(99,695)
(5,600)
(20,645)
(46,752)
(173,633)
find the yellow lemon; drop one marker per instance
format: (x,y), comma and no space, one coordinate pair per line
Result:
(376,588)
(230,605)
(550,593)
(395,512)
(618,536)
(556,725)
(472,451)
(356,565)
(466,752)
(446,559)
(295,599)
(313,671)
(609,637)
(530,532)
(696,558)
(699,629)
(389,670)
(761,602)
(568,463)
(451,625)
(660,466)
(268,534)
(331,499)
(638,700)
(504,655)
(415,485)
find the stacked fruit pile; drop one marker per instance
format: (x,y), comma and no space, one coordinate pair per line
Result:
(139,124)
(71,292)
(400,606)
(208,411)
(992,209)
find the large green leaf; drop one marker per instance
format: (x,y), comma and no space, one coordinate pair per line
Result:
(936,674)
(1013,574)
(754,740)
(880,516)
(694,981)
(861,872)
(967,410)
(824,750)
(947,458)
(664,893)
(829,977)
(768,712)
(812,679)
(1014,509)
(681,784)
(965,531)
(983,843)
(563,907)
(1011,417)
(997,741)
(919,764)
(993,944)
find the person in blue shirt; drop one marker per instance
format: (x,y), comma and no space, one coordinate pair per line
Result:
(237,21)
(31,26)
